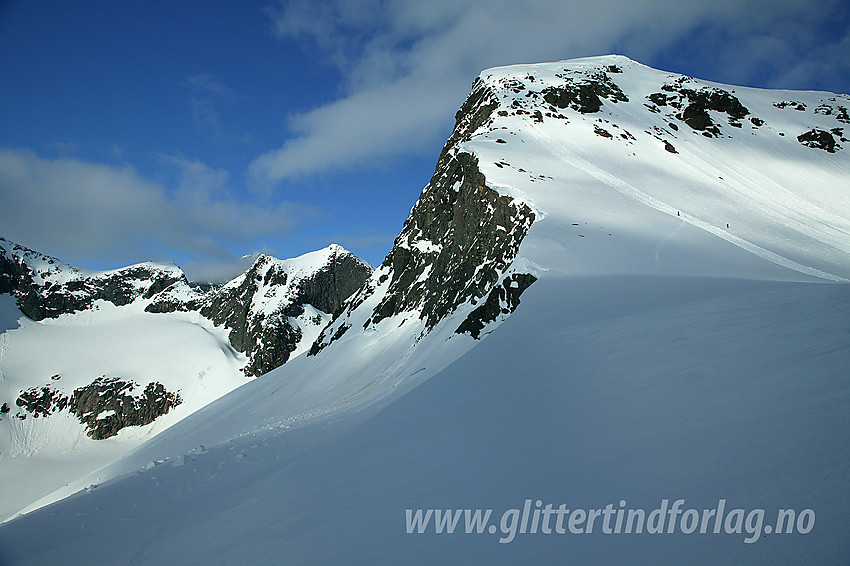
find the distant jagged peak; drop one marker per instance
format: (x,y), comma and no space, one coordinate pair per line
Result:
(267,270)
(276,307)
(46,287)
(307,263)
(42,266)
(49,269)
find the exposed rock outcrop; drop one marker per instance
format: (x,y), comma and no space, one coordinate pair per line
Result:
(583,95)
(502,300)
(266,308)
(104,407)
(819,139)
(692,105)
(458,240)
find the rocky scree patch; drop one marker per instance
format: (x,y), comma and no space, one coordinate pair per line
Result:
(692,106)
(104,406)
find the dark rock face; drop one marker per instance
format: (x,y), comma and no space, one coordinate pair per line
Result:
(584,96)
(581,97)
(166,302)
(270,338)
(502,300)
(330,286)
(231,307)
(10,273)
(716,99)
(460,237)
(790,103)
(473,114)
(474,226)
(112,396)
(819,139)
(275,342)
(602,132)
(681,100)
(41,401)
(658,98)
(585,93)
(696,116)
(105,406)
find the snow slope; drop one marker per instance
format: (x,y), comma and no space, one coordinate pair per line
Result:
(181,349)
(782,201)
(659,355)
(698,389)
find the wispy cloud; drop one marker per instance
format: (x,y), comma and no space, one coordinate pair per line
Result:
(212,271)
(408,65)
(207,97)
(78,209)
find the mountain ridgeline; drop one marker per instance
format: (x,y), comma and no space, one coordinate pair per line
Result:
(269,312)
(457,260)
(274,306)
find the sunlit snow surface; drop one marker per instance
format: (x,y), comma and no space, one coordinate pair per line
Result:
(660,355)
(184,352)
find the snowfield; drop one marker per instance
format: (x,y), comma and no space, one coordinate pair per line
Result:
(687,337)
(698,389)
(184,352)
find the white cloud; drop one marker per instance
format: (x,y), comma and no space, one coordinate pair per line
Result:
(408,65)
(77,209)
(366,124)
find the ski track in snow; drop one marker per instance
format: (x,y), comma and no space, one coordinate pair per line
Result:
(666,239)
(633,192)
(4,348)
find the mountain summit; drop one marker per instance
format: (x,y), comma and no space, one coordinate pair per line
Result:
(603,155)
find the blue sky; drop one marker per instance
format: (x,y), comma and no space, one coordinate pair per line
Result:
(202,131)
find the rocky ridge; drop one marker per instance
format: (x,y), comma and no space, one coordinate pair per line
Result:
(104,407)
(455,247)
(46,287)
(271,312)
(276,306)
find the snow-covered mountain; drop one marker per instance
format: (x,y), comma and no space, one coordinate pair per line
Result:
(674,253)
(275,309)
(94,362)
